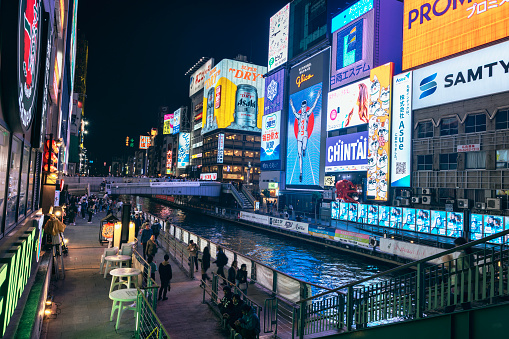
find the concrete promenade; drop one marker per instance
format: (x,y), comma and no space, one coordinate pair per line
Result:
(83,306)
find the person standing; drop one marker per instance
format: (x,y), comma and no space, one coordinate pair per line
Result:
(137,223)
(232,272)
(156,228)
(151,246)
(165,274)
(192,248)
(242,279)
(72,213)
(90,211)
(205,264)
(146,233)
(153,267)
(83,207)
(221,262)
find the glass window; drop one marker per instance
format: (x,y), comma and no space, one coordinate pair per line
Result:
(449,126)
(4,160)
(475,160)
(12,196)
(502,119)
(475,123)
(502,158)
(31,179)
(425,162)
(250,138)
(25,168)
(448,161)
(425,129)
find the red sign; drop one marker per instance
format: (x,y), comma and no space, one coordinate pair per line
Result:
(469,148)
(198,117)
(208,176)
(217,102)
(169,159)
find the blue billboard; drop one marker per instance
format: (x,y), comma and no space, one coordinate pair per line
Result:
(347,153)
(274,92)
(270,155)
(183,153)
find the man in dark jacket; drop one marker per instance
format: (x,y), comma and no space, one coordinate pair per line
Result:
(151,246)
(156,228)
(232,273)
(221,262)
(165,274)
(235,311)
(145,236)
(226,300)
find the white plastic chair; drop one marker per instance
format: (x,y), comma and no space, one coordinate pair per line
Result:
(107,252)
(127,249)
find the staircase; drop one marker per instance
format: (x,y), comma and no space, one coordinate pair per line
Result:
(242,198)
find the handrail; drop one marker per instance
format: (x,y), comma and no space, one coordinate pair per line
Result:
(248,195)
(236,194)
(145,300)
(411,264)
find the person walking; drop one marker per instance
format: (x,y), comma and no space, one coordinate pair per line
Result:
(90,211)
(146,233)
(165,274)
(151,246)
(156,228)
(232,273)
(192,248)
(72,213)
(242,278)
(137,223)
(221,262)
(205,264)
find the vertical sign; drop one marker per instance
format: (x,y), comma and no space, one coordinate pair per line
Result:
(274,92)
(176,121)
(183,152)
(379,129)
(271,145)
(401,133)
(220,148)
(169,161)
(167,124)
(278,37)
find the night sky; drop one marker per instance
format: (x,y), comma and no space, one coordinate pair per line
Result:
(138,53)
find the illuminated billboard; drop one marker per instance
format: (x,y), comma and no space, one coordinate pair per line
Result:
(274,92)
(278,37)
(434,30)
(305,120)
(479,73)
(169,161)
(144,141)
(168,124)
(176,121)
(350,14)
(270,155)
(352,51)
(197,80)
(347,153)
(379,130)
(401,133)
(220,148)
(233,97)
(348,106)
(183,152)
(308,25)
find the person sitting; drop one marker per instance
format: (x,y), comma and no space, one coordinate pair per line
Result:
(226,300)
(235,311)
(249,325)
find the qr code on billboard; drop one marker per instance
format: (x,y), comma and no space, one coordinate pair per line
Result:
(400,167)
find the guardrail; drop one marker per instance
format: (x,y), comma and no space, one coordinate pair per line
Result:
(148,324)
(468,279)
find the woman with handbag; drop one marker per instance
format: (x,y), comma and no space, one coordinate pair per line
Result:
(242,278)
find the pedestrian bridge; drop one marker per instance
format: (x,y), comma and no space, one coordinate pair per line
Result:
(188,188)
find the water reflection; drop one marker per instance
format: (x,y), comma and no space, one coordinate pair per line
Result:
(313,263)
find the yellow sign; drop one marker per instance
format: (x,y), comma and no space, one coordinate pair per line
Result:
(436,29)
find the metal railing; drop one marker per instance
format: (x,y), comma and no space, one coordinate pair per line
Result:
(466,279)
(248,195)
(148,324)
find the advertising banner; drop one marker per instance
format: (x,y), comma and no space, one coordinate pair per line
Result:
(334,210)
(198,78)
(183,154)
(168,124)
(373,214)
(354,238)
(220,148)
(401,133)
(379,129)
(434,30)
(278,37)
(350,14)
(144,142)
(208,176)
(256,218)
(347,153)
(454,224)
(409,250)
(362,213)
(270,155)
(468,148)
(473,75)
(408,219)
(176,121)
(348,106)
(274,92)
(234,93)
(169,160)
(301,227)
(344,208)
(422,220)
(384,215)
(493,224)
(476,226)
(438,222)
(322,232)
(352,51)
(396,217)
(309,22)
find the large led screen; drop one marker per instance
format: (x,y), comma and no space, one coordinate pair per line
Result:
(384,216)
(270,156)
(434,30)
(183,152)
(347,153)
(438,222)
(454,224)
(352,51)
(476,226)
(348,106)
(422,220)
(379,149)
(350,14)
(352,212)
(373,214)
(344,208)
(233,97)
(408,219)
(334,210)
(362,214)
(278,37)
(396,217)
(401,132)
(493,224)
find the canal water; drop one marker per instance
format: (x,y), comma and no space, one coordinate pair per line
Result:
(312,263)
